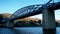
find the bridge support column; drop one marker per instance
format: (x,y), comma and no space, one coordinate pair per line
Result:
(49,26)
(10,24)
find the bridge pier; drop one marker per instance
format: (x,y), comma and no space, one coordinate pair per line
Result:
(10,24)
(49,26)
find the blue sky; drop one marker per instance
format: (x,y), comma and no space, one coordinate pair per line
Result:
(10,6)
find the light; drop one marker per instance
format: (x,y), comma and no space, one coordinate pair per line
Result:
(35,6)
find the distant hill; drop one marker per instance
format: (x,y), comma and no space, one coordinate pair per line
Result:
(58,21)
(28,19)
(6,15)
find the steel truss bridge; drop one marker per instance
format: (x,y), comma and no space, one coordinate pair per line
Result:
(33,10)
(46,9)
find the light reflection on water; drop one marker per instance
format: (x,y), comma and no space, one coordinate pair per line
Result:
(24,30)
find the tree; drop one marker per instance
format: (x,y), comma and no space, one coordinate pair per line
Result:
(56,23)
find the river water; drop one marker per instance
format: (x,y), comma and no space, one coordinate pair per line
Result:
(25,30)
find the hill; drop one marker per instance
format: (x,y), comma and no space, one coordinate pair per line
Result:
(6,15)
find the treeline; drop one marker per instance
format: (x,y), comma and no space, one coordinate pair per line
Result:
(31,24)
(28,23)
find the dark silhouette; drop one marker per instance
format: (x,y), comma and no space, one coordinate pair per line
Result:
(1,18)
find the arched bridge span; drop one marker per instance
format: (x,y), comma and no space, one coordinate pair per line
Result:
(33,10)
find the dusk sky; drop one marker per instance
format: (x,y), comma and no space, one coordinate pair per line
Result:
(10,6)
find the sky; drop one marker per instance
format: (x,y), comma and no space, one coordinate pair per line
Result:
(10,6)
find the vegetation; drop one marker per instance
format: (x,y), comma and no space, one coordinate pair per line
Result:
(57,24)
(27,24)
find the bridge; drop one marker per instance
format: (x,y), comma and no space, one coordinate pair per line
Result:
(33,10)
(46,9)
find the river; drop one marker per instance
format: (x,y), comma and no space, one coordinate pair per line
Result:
(25,30)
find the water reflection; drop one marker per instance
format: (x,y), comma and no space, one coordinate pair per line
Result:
(49,31)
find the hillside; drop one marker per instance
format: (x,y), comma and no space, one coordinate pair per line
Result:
(6,15)
(28,19)
(58,21)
